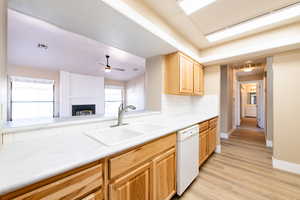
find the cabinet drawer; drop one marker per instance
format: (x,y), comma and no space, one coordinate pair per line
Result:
(203,126)
(123,162)
(94,196)
(213,123)
(70,187)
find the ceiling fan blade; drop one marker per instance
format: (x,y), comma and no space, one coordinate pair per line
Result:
(101,63)
(118,69)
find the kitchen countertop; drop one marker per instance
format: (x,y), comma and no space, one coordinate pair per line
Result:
(28,162)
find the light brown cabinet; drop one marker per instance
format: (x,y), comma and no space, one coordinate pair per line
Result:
(155,180)
(212,140)
(186,75)
(203,146)
(164,175)
(75,184)
(183,75)
(94,196)
(208,139)
(198,79)
(135,185)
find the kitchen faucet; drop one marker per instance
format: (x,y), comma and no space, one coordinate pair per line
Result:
(121,111)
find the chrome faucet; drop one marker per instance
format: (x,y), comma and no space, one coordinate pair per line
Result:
(121,111)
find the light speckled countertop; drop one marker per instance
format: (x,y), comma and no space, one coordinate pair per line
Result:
(27,162)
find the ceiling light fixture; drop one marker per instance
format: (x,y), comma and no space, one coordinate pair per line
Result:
(248,68)
(191,6)
(258,22)
(107,67)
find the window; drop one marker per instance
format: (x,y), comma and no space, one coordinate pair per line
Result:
(31,98)
(113,99)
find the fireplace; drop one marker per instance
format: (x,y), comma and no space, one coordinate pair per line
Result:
(79,110)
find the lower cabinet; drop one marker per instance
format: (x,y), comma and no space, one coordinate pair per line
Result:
(76,184)
(155,180)
(135,185)
(208,139)
(164,175)
(203,147)
(212,140)
(94,196)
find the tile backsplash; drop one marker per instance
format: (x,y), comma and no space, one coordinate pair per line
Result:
(174,104)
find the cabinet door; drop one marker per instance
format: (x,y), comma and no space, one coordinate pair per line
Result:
(203,147)
(186,75)
(198,79)
(95,196)
(164,176)
(212,140)
(133,186)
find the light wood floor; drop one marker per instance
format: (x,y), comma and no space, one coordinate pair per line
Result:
(243,171)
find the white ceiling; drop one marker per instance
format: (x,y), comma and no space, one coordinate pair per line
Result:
(96,20)
(67,51)
(216,16)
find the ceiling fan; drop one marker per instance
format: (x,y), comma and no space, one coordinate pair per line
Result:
(108,68)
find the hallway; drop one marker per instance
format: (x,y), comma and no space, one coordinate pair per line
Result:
(243,171)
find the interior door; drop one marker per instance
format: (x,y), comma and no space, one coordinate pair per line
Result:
(186,75)
(260,105)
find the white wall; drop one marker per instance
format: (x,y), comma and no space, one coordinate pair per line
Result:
(154,82)
(77,89)
(135,92)
(3,45)
(286,105)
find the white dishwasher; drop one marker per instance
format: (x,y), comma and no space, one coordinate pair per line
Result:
(187,157)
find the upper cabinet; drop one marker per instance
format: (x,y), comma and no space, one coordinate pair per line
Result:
(198,79)
(183,75)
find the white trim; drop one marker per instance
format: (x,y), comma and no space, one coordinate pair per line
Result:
(286,166)
(224,135)
(218,149)
(269,143)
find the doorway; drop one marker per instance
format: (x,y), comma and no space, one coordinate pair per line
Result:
(251,103)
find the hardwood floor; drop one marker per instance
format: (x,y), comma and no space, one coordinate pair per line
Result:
(243,171)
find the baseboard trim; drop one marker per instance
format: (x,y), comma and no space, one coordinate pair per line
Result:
(218,149)
(224,136)
(269,143)
(286,166)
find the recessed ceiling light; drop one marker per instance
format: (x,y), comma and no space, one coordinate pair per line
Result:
(258,22)
(191,6)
